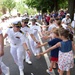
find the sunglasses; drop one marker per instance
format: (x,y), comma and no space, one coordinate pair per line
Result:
(25,22)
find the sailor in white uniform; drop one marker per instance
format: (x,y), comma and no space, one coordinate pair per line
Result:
(25,29)
(3,67)
(35,30)
(17,42)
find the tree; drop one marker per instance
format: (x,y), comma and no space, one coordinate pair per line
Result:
(20,7)
(23,8)
(47,5)
(42,5)
(8,4)
(63,3)
(2,9)
(71,8)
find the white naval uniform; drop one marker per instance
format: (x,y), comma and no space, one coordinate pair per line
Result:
(25,30)
(34,29)
(16,42)
(3,67)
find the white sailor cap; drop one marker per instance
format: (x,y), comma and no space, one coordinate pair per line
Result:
(25,19)
(17,24)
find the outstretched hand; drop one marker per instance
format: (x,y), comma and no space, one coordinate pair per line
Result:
(39,55)
(38,45)
(44,37)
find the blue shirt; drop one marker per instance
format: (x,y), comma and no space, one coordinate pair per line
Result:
(54,52)
(66,46)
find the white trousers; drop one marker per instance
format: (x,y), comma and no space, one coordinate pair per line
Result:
(27,57)
(3,67)
(17,54)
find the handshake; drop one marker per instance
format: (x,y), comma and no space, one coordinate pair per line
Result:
(39,55)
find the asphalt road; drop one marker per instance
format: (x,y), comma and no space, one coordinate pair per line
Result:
(38,66)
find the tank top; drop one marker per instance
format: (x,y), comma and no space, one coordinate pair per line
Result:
(66,46)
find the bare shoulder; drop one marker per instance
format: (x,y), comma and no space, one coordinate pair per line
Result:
(58,44)
(73,43)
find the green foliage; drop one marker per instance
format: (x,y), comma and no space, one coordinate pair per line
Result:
(9,4)
(31,11)
(22,8)
(0,14)
(63,3)
(47,5)
(43,5)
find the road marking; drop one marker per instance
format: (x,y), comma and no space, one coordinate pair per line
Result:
(32,74)
(45,55)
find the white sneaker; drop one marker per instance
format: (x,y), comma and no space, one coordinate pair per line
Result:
(21,72)
(8,71)
(35,54)
(29,62)
(50,72)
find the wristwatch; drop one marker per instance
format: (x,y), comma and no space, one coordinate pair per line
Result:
(36,42)
(27,50)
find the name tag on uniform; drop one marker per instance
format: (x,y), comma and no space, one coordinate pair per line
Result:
(18,37)
(35,29)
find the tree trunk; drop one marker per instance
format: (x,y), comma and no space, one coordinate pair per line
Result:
(52,8)
(3,10)
(71,8)
(9,10)
(56,5)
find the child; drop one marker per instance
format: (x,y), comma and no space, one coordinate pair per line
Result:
(65,58)
(54,52)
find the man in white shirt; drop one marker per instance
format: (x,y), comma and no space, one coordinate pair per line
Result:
(67,19)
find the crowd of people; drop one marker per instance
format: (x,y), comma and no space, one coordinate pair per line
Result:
(22,32)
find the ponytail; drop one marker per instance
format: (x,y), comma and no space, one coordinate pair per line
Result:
(70,36)
(66,33)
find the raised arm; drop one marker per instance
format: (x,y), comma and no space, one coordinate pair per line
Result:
(51,48)
(73,45)
(1,45)
(42,44)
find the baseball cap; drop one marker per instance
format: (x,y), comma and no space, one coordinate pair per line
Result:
(67,14)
